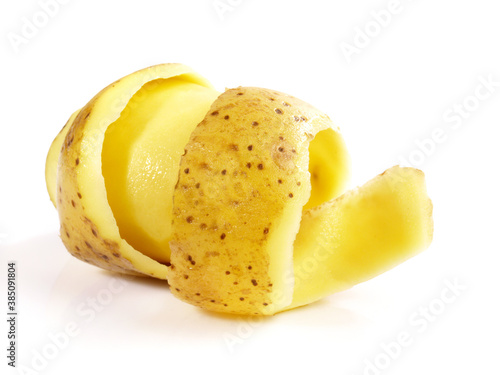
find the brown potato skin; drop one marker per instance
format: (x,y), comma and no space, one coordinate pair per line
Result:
(245,163)
(78,233)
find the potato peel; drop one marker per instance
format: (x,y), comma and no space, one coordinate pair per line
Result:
(243,183)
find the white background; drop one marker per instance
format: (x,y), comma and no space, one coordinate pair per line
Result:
(424,63)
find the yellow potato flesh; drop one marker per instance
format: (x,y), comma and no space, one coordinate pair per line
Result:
(140,159)
(361,234)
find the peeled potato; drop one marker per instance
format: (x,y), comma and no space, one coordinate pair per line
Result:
(118,164)
(236,198)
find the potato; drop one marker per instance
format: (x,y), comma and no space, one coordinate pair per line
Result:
(118,166)
(243,183)
(238,199)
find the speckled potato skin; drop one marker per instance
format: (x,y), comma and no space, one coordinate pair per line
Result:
(78,232)
(52,161)
(244,171)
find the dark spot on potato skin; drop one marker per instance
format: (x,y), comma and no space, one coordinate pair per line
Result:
(255,123)
(260,166)
(278,111)
(189,219)
(215,113)
(77,161)
(79,195)
(226,117)
(94,232)
(266,230)
(73,203)
(250,148)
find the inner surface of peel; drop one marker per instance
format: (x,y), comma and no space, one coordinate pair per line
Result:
(361,234)
(329,167)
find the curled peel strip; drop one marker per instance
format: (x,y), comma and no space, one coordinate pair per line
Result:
(238,209)
(241,239)
(257,224)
